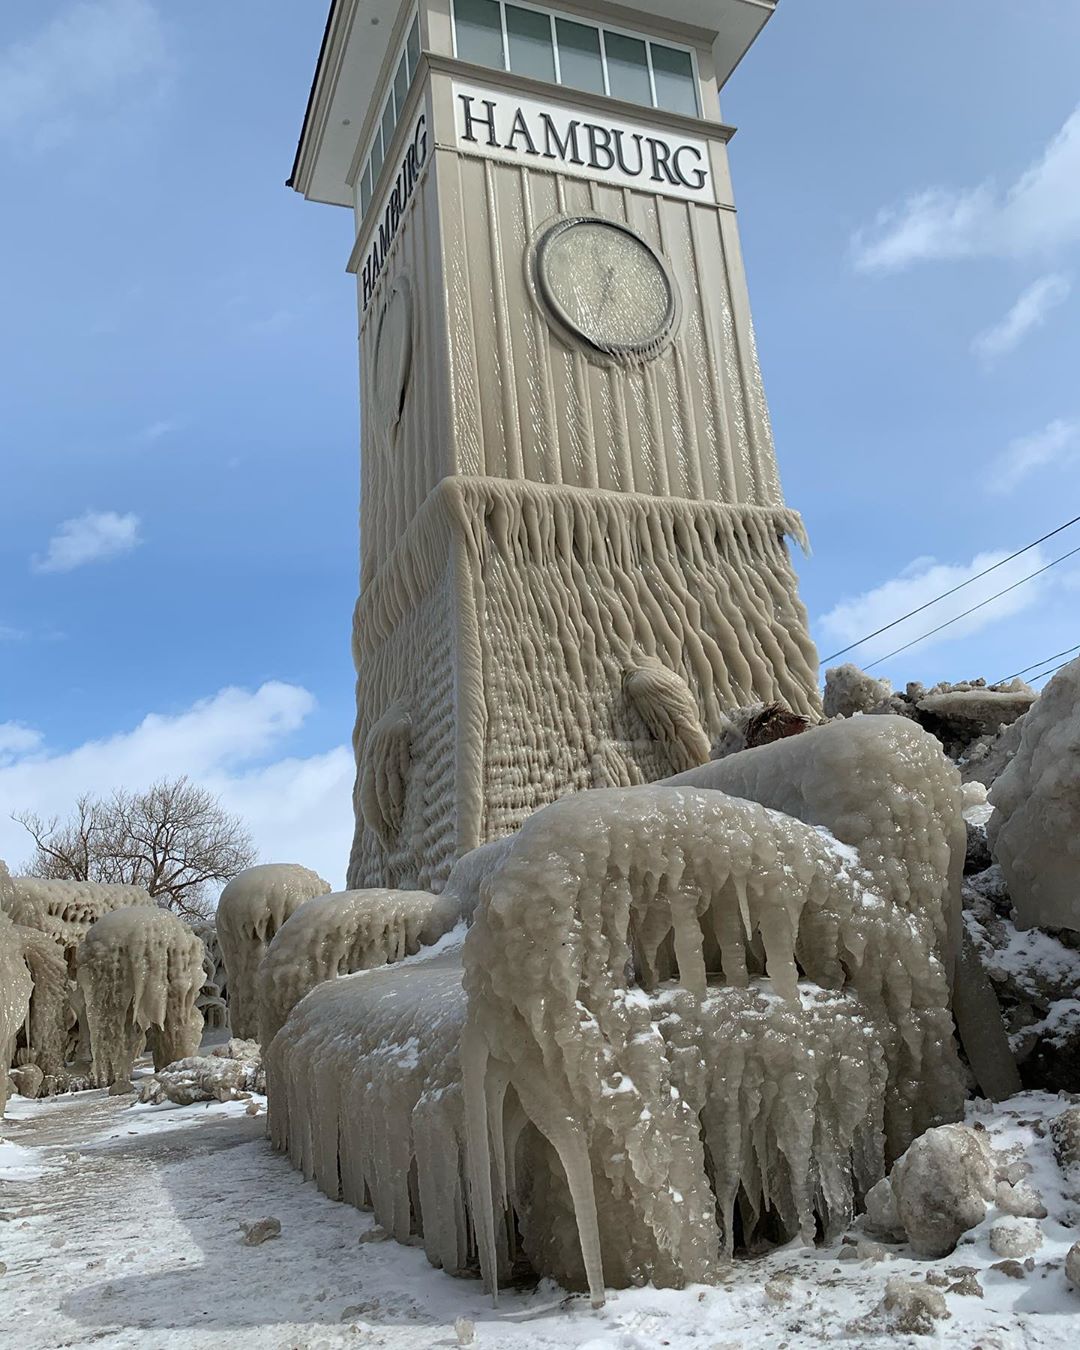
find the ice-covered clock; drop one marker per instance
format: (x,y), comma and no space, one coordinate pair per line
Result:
(393,355)
(604,284)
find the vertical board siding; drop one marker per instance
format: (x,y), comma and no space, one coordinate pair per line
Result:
(398,472)
(691,423)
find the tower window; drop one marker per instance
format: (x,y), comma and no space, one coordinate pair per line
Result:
(627,67)
(394,106)
(581,62)
(673,77)
(479,28)
(553,47)
(530,43)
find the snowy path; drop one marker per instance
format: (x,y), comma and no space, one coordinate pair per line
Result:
(120,1226)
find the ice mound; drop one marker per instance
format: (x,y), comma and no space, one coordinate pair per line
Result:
(16,985)
(140,971)
(253,906)
(64,910)
(684,1017)
(1034,832)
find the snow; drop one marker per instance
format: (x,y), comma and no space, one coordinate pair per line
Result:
(125,1231)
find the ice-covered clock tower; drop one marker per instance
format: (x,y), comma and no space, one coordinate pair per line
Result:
(572,533)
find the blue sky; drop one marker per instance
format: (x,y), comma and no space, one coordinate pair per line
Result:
(178,375)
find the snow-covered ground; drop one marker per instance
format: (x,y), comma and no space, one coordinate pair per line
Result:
(122,1226)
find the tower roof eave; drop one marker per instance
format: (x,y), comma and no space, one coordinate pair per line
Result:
(353,49)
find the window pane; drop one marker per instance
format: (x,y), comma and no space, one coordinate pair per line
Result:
(479,32)
(365,188)
(412,46)
(673,74)
(579,55)
(528,34)
(401,84)
(628,68)
(376,156)
(388,123)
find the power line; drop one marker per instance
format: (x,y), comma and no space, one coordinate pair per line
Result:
(1046,673)
(889,655)
(1036,664)
(945,594)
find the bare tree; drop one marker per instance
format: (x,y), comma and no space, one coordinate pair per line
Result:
(174,838)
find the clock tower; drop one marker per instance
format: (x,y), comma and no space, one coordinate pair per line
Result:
(572,535)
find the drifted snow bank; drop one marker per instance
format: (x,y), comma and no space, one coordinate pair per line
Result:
(672,998)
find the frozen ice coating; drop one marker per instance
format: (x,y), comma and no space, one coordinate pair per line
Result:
(882,785)
(348,931)
(668,709)
(571,638)
(66,909)
(645,968)
(140,972)
(16,986)
(47,1023)
(340,933)
(692,887)
(213,997)
(1034,832)
(253,906)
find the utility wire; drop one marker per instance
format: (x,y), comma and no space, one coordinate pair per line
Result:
(945,594)
(1047,673)
(889,655)
(1035,664)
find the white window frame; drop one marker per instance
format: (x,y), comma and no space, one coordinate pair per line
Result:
(600,27)
(366,176)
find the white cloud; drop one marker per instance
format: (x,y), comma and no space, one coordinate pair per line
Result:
(91,57)
(1029,312)
(921,581)
(298,810)
(17,739)
(1038,214)
(155,431)
(1058,443)
(89,538)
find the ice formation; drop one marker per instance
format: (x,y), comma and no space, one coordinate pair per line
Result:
(214,995)
(66,909)
(1034,832)
(849,690)
(347,931)
(219,1076)
(544,614)
(253,906)
(602,1059)
(15,989)
(882,786)
(42,1024)
(140,971)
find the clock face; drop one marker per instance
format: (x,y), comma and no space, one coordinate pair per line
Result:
(393,355)
(606,285)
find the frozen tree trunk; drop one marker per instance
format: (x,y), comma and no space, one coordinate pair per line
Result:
(140,972)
